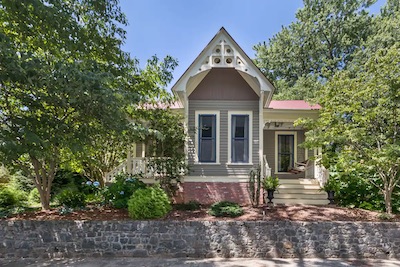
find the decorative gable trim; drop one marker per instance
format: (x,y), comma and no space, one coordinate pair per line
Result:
(222,52)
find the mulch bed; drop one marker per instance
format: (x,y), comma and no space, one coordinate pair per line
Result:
(278,212)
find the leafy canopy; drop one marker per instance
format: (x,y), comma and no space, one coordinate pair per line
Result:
(359,124)
(62,73)
(320,42)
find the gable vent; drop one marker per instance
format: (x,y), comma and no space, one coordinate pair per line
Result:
(222,55)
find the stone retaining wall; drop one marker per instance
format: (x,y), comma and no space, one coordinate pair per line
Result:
(260,239)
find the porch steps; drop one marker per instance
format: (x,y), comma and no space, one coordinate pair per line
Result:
(300,191)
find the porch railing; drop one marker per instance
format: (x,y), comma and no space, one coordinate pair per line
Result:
(140,166)
(267,168)
(320,173)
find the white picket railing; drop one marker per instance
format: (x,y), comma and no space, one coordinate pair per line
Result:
(137,166)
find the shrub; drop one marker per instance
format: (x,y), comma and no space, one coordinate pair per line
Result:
(10,197)
(66,179)
(71,198)
(191,205)
(356,192)
(93,192)
(34,196)
(118,193)
(7,198)
(149,203)
(225,209)
(21,182)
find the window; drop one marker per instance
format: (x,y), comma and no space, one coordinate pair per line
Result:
(207,138)
(240,138)
(286,151)
(239,144)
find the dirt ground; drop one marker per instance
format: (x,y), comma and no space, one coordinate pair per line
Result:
(277,212)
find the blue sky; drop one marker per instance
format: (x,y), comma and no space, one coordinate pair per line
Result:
(182,28)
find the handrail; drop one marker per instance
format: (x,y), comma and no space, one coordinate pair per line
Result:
(321,173)
(267,168)
(120,168)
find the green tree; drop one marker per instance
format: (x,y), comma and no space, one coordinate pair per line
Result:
(110,146)
(165,143)
(386,32)
(62,72)
(320,42)
(359,123)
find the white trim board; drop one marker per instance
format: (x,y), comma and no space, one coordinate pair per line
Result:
(216,179)
(250,114)
(217,134)
(294,133)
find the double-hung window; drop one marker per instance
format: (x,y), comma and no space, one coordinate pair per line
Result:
(207,138)
(285,151)
(239,137)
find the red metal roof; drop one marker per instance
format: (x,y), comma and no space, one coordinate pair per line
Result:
(292,104)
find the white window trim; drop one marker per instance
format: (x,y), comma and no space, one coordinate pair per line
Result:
(241,112)
(276,148)
(217,135)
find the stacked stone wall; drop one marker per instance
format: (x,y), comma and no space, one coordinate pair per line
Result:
(258,239)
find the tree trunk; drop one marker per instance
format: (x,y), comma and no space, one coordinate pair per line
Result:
(43,179)
(388,200)
(44,197)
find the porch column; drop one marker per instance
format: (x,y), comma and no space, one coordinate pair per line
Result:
(129,161)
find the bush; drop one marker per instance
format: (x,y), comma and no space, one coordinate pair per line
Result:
(21,182)
(66,179)
(34,196)
(225,209)
(355,192)
(118,193)
(7,198)
(71,198)
(149,203)
(191,205)
(10,197)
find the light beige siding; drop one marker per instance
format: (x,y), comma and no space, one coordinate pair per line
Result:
(223,107)
(269,151)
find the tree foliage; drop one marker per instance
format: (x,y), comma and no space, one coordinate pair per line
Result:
(320,42)
(110,146)
(359,124)
(62,73)
(165,145)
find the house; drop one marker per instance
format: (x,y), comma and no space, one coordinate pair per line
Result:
(233,126)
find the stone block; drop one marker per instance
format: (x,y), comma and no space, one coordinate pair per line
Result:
(140,253)
(88,244)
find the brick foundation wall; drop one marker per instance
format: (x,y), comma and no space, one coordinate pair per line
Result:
(253,239)
(211,192)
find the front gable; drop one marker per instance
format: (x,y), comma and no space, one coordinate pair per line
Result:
(223,53)
(223,84)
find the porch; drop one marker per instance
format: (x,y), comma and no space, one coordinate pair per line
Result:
(301,190)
